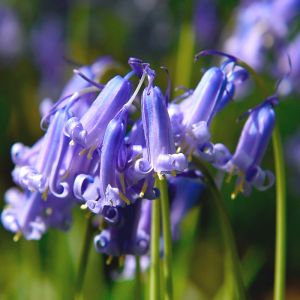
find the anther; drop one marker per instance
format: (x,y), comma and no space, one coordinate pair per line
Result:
(144,188)
(124,198)
(90,154)
(17,236)
(160,176)
(83,151)
(122,179)
(109,260)
(45,194)
(83,206)
(121,261)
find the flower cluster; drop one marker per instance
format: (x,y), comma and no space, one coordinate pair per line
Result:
(106,144)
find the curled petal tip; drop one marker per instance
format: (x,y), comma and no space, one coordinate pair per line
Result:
(75,131)
(101,241)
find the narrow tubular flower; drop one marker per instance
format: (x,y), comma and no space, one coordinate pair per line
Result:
(37,177)
(251,148)
(89,130)
(192,117)
(161,152)
(111,190)
(79,88)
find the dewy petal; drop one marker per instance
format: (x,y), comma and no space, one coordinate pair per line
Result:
(158,133)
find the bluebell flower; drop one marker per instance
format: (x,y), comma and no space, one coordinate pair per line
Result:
(29,215)
(89,130)
(80,91)
(161,151)
(47,170)
(43,174)
(192,117)
(251,148)
(123,239)
(111,188)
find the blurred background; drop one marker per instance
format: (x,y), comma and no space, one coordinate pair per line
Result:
(40,44)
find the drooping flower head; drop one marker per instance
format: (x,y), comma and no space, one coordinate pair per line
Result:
(192,117)
(47,171)
(251,148)
(88,131)
(160,145)
(127,237)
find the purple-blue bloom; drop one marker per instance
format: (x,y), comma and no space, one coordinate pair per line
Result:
(161,152)
(88,131)
(192,117)
(124,238)
(251,148)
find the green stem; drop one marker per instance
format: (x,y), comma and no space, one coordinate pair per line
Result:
(279,279)
(155,261)
(167,236)
(138,279)
(225,227)
(84,257)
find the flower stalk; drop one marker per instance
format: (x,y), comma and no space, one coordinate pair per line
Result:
(155,260)
(167,237)
(280,247)
(84,257)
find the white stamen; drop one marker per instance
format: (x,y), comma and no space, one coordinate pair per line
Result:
(136,90)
